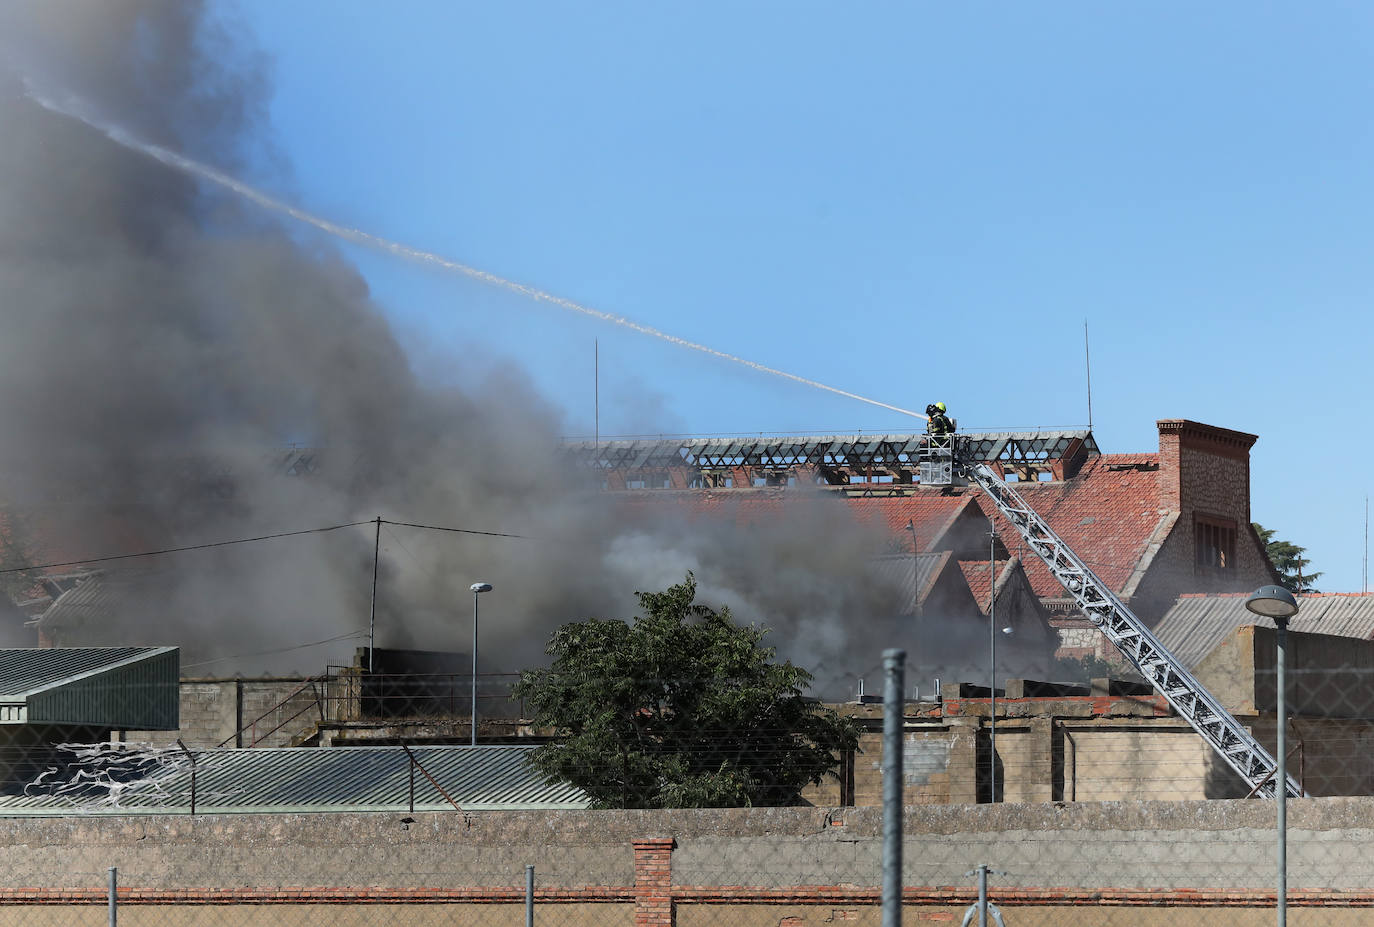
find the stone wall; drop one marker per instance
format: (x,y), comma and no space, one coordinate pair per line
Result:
(1142,863)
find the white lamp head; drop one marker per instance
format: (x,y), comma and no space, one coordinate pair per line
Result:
(1272,602)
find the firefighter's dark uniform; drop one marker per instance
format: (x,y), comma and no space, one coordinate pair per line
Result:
(939,427)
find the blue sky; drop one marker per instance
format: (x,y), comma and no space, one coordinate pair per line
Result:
(907,201)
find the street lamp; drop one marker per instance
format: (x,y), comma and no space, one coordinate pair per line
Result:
(1279,604)
(477,590)
(992,692)
(992,663)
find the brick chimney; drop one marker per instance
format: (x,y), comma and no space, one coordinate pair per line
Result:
(1204,469)
(1204,494)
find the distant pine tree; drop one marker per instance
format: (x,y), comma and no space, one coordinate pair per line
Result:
(1288,560)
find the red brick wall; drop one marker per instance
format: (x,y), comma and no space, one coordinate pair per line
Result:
(1204,472)
(654,882)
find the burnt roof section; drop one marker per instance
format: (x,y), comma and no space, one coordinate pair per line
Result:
(848,452)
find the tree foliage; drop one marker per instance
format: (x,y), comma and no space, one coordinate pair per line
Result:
(681,709)
(1288,560)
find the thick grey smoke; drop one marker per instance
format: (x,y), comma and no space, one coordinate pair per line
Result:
(161,338)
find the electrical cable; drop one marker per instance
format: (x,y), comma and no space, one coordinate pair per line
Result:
(490,534)
(178,550)
(360,632)
(409,553)
(264,537)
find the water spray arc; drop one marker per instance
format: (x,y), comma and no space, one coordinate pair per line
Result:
(74,108)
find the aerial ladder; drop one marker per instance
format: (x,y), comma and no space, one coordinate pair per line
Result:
(942,463)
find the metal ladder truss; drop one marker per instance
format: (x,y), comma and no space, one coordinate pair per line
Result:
(1188,697)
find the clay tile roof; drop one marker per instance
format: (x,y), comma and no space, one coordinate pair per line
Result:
(1107,515)
(930,512)
(746,508)
(913,577)
(976,575)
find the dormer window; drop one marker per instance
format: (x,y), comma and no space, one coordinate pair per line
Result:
(1215,543)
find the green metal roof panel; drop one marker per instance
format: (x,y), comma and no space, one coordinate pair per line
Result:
(141,693)
(125,688)
(302,779)
(32,669)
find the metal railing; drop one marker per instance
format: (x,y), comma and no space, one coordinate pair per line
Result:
(345,694)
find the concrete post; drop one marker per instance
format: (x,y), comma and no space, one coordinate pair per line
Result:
(893,665)
(529,895)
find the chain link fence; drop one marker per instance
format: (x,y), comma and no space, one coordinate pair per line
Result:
(1053,804)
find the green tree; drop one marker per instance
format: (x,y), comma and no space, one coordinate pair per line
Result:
(1288,560)
(681,709)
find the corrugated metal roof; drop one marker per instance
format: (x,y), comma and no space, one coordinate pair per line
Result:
(313,779)
(113,687)
(28,670)
(1198,623)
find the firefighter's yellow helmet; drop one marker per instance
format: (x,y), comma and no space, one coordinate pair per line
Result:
(940,406)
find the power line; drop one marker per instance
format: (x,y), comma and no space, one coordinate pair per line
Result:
(264,537)
(250,540)
(177,550)
(267,653)
(490,534)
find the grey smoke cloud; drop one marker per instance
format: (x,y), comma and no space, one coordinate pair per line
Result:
(161,337)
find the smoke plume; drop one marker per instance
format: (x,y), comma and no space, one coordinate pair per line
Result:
(164,339)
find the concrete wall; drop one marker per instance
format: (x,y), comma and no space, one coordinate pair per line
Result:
(1083,748)
(275,711)
(1141,863)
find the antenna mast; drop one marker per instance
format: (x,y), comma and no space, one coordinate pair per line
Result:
(1087,364)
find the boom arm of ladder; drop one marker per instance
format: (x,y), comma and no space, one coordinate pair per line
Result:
(1232,742)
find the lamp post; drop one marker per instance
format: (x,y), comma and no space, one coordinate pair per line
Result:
(915,570)
(1279,604)
(477,590)
(992,664)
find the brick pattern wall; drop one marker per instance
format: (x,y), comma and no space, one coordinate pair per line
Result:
(1203,472)
(654,882)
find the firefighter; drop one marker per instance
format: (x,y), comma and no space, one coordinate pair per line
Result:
(938,424)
